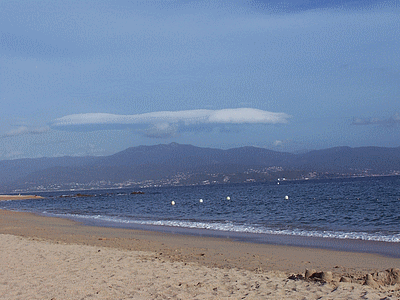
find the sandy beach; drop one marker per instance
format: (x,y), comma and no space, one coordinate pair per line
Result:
(53,258)
(19,197)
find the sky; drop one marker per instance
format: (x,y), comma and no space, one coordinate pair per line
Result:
(96,77)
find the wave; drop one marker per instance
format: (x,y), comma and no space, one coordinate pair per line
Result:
(240,228)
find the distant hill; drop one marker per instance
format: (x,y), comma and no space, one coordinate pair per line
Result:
(345,159)
(14,170)
(159,162)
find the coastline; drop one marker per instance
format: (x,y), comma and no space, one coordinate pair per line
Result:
(223,254)
(19,197)
(390,249)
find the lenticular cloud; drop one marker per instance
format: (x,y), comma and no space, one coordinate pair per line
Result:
(184,117)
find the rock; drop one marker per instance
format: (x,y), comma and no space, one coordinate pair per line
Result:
(317,276)
(296,277)
(309,273)
(327,276)
(382,277)
(345,279)
(370,281)
(394,275)
(388,277)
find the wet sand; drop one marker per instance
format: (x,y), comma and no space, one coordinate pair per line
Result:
(45,258)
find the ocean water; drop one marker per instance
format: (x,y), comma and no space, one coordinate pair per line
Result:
(363,209)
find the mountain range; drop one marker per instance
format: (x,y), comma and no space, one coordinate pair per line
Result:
(160,162)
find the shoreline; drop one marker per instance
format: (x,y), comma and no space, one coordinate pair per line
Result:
(384,248)
(389,249)
(192,253)
(19,197)
(272,182)
(72,232)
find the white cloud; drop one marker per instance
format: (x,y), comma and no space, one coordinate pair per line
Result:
(278,143)
(167,123)
(24,130)
(393,120)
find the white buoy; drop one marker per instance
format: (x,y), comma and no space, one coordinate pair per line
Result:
(286,197)
(201,200)
(228,198)
(172,202)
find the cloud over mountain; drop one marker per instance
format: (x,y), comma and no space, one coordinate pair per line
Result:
(24,130)
(393,120)
(166,123)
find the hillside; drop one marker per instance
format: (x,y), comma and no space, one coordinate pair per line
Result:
(187,164)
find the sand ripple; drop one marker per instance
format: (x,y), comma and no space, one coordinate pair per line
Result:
(32,269)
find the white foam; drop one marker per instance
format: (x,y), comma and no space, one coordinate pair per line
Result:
(229,226)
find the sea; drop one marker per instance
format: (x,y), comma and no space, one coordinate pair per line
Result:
(355,214)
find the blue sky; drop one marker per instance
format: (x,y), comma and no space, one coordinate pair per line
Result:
(96,77)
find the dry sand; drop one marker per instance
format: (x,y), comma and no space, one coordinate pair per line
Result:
(51,258)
